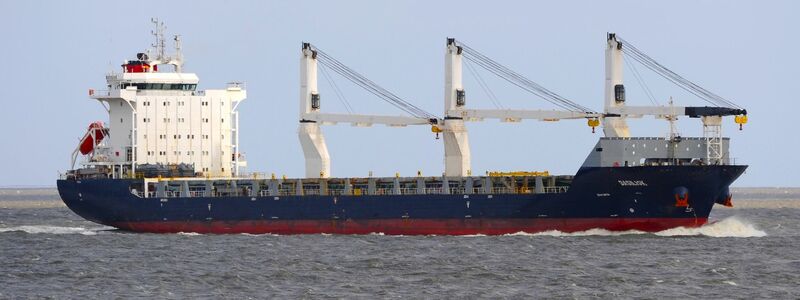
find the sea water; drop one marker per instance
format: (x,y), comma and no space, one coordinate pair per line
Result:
(749,251)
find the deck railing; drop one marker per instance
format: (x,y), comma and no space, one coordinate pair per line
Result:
(291,191)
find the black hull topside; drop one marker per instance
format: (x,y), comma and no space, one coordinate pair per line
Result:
(646,198)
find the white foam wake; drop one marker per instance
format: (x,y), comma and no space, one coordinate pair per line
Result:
(590,232)
(35,229)
(728,227)
(189,233)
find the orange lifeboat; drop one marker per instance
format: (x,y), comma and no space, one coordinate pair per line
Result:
(95,131)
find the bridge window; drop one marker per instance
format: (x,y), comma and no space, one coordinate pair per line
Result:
(161,86)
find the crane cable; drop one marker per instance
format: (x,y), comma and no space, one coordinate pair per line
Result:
(520,81)
(337,90)
(370,86)
(642,83)
(631,51)
(485,87)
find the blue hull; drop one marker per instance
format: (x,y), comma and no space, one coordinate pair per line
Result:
(621,198)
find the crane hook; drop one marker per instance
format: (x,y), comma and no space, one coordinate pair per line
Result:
(741,120)
(593,123)
(437,130)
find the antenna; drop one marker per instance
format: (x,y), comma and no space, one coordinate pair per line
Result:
(673,133)
(178,55)
(159,44)
(160,47)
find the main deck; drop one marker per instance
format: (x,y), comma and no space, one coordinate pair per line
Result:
(533,183)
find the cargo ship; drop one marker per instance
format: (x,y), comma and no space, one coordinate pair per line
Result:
(168,160)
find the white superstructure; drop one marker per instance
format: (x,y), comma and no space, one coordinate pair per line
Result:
(159,117)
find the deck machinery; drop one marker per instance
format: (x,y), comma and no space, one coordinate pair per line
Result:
(172,162)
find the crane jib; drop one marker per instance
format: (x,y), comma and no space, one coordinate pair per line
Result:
(704,111)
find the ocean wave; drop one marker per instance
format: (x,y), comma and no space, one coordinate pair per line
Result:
(728,227)
(767,203)
(21,204)
(36,229)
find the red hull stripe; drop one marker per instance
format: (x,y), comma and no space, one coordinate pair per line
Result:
(412,226)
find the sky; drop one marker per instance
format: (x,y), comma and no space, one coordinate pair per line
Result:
(745,51)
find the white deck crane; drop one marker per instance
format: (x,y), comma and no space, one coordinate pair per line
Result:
(318,162)
(456,140)
(457,152)
(615,109)
(614,123)
(613,117)
(615,126)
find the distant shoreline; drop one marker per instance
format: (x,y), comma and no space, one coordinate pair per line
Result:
(26,187)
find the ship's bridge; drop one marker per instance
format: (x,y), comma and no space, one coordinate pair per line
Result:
(154,81)
(148,83)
